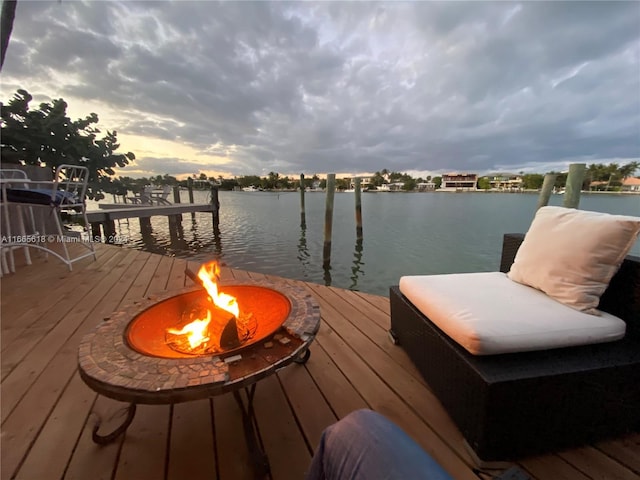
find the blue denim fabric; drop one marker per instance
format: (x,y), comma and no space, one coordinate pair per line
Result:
(364,445)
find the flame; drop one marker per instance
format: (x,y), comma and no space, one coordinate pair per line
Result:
(199,330)
(209,273)
(195,331)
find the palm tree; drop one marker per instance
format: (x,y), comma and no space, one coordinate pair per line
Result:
(629,169)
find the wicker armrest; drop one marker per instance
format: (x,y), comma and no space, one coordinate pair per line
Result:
(510,244)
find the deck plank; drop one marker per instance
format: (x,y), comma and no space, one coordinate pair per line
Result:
(15,384)
(16,318)
(361,319)
(41,310)
(626,450)
(152,423)
(144,451)
(414,393)
(90,460)
(37,383)
(598,465)
(306,400)
(382,399)
(48,412)
(191,448)
(336,388)
(283,441)
(231,448)
(552,467)
(54,445)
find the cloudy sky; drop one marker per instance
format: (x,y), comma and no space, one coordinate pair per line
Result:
(242,88)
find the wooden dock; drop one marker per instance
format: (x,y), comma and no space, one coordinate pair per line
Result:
(48,412)
(118,211)
(107,215)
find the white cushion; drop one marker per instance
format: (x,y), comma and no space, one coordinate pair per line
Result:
(571,254)
(486,313)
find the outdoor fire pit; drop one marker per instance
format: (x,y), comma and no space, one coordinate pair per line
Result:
(169,329)
(197,343)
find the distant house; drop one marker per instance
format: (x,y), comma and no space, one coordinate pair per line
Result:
(598,185)
(505,181)
(459,182)
(396,186)
(426,186)
(631,184)
(364,182)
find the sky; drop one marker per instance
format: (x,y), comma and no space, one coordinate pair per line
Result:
(246,88)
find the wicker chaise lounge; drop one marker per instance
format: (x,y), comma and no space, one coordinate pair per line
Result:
(516,404)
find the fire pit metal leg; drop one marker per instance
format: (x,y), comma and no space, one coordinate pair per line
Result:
(258,457)
(303,357)
(110,437)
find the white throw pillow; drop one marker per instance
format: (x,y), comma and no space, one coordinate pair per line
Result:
(571,254)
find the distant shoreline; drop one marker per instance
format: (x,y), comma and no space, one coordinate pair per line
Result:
(582,192)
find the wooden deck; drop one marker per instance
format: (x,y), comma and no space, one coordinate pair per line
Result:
(48,412)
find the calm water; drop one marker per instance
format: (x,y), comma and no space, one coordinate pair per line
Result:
(404,234)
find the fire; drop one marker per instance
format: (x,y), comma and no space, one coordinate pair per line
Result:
(195,331)
(208,274)
(200,330)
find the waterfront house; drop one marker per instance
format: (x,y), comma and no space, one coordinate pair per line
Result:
(455,182)
(364,182)
(631,185)
(598,185)
(426,186)
(505,182)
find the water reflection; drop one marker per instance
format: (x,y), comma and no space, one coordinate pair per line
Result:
(303,251)
(326,267)
(356,269)
(176,235)
(217,242)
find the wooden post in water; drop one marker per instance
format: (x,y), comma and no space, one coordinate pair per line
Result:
(574,185)
(174,226)
(547,188)
(215,202)
(176,199)
(190,188)
(96,232)
(145,226)
(328,219)
(358,181)
(109,229)
(303,215)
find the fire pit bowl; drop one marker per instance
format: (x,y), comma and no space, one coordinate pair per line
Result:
(147,332)
(127,356)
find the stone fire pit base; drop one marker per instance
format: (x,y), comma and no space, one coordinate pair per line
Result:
(111,367)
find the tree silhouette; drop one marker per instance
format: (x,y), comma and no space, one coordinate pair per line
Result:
(47,137)
(6,26)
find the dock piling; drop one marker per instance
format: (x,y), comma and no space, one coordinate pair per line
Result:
(328,219)
(547,188)
(215,202)
(574,185)
(176,198)
(145,225)
(303,216)
(358,182)
(190,189)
